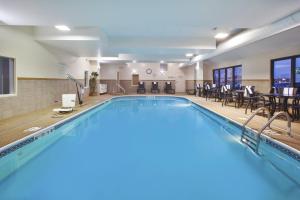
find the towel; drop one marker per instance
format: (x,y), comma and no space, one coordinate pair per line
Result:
(228,87)
(286,91)
(214,85)
(223,89)
(248,91)
(207,87)
(291,91)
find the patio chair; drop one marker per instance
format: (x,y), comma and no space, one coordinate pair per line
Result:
(168,88)
(154,87)
(141,88)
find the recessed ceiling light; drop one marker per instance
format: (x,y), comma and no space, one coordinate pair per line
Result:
(162,61)
(134,61)
(221,35)
(62,28)
(189,55)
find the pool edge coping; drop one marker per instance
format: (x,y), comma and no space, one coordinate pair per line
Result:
(49,128)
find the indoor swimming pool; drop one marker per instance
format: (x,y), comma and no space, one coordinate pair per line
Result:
(146,148)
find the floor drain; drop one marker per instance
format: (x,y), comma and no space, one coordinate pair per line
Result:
(32,129)
(243,118)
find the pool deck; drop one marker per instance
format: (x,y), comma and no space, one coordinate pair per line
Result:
(13,129)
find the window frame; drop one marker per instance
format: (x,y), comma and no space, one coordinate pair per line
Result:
(218,81)
(225,68)
(234,80)
(295,83)
(293,68)
(15,90)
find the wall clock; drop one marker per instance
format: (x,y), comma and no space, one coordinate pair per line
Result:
(148,71)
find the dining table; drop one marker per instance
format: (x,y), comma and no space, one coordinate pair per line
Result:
(282,101)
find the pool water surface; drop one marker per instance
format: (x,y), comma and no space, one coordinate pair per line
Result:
(143,149)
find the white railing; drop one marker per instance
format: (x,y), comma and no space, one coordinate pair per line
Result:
(80,90)
(121,88)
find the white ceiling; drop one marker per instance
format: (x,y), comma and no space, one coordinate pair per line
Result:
(153,30)
(288,40)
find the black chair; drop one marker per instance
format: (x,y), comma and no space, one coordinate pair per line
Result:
(251,98)
(168,88)
(197,89)
(231,96)
(141,88)
(155,88)
(295,106)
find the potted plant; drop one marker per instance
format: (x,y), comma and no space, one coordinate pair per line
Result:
(93,83)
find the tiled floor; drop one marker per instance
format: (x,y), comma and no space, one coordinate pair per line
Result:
(13,128)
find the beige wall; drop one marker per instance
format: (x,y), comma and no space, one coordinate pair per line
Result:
(32,59)
(256,66)
(177,75)
(40,75)
(35,94)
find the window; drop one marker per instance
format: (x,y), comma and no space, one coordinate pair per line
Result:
(222,77)
(228,76)
(237,76)
(86,77)
(135,79)
(282,75)
(297,72)
(216,77)
(285,72)
(7,76)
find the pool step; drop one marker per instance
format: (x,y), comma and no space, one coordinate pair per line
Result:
(250,139)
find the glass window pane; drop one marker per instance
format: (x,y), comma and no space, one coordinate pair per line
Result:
(7,75)
(216,77)
(282,73)
(229,76)
(237,77)
(297,72)
(222,77)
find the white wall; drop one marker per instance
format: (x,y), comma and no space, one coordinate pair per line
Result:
(32,59)
(109,71)
(255,66)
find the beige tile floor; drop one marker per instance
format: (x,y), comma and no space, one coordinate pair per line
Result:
(12,129)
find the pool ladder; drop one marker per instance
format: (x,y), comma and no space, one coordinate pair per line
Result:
(252,139)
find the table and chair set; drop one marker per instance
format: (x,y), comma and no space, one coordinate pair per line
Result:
(284,99)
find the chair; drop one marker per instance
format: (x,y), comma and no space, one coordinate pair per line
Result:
(141,88)
(207,91)
(250,97)
(198,89)
(225,93)
(295,106)
(155,88)
(68,103)
(168,88)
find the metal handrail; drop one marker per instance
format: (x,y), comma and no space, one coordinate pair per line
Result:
(80,91)
(289,130)
(270,120)
(289,122)
(69,76)
(119,86)
(254,114)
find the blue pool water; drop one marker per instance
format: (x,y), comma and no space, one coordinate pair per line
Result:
(140,149)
